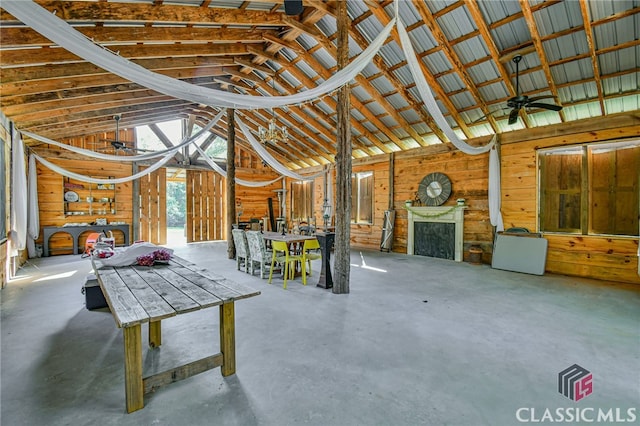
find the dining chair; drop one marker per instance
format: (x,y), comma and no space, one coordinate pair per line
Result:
(307,254)
(258,252)
(242,248)
(281,255)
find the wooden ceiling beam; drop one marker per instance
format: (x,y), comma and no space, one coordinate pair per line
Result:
(433,84)
(288,41)
(83,69)
(588,31)
(391,111)
(165,140)
(69,120)
(485,34)
(431,23)
(196,75)
(22,37)
(45,55)
(535,35)
(143,13)
(300,76)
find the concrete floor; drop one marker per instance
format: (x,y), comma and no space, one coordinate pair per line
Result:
(418,341)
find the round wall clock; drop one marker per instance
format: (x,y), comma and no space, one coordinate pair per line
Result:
(71,196)
(434,189)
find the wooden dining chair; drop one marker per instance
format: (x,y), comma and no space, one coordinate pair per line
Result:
(281,255)
(258,252)
(242,249)
(307,254)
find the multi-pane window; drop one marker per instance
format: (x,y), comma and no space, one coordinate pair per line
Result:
(301,201)
(362,197)
(590,189)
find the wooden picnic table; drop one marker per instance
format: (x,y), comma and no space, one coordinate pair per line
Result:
(139,294)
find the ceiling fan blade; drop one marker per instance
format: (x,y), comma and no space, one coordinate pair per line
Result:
(545,106)
(537,98)
(513,116)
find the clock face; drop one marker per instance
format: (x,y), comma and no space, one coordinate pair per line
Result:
(434,189)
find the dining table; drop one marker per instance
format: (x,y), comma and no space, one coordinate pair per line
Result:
(150,294)
(294,242)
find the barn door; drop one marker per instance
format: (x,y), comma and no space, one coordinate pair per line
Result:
(205,206)
(153,207)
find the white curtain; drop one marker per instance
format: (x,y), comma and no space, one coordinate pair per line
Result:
(130,158)
(83,178)
(18,231)
(430,101)
(33,218)
(266,156)
(223,172)
(63,34)
(495,215)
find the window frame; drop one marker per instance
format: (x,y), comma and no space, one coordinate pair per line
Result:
(357,200)
(307,198)
(588,190)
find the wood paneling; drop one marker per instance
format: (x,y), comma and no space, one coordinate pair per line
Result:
(51,199)
(469,177)
(153,207)
(604,258)
(205,206)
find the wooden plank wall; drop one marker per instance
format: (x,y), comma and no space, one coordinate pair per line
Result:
(153,207)
(604,258)
(469,180)
(51,199)
(205,206)
(255,200)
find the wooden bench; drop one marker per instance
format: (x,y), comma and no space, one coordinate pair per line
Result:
(139,294)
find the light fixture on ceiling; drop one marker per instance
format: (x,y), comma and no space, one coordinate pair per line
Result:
(273,134)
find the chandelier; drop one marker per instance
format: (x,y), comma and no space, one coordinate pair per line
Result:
(273,134)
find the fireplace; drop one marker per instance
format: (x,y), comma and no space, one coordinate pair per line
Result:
(436,232)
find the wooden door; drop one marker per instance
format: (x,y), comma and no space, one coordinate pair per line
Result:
(205,206)
(153,207)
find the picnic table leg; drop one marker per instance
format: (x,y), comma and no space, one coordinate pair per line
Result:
(228,338)
(155,334)
(134,389)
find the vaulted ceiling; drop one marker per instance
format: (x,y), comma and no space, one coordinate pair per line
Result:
(584,54)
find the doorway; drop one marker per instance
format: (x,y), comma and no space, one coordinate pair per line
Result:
(176,207)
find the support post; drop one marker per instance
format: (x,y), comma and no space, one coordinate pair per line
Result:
(343,162)
(231,180)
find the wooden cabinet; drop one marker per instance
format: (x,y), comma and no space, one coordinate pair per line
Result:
(87,199)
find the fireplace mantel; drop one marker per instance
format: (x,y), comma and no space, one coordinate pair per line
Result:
(438,214)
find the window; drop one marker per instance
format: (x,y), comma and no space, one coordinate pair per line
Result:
(301,200)
(590,189)
(362,197)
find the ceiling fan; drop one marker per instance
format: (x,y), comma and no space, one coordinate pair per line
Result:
(119,145)
(520,101)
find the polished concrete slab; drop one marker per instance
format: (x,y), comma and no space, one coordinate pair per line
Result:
(418,341)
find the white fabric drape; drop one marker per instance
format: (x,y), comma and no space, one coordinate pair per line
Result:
(18,231)
(83,178)
(430,101)
(266,156)
(495,215)
(223,172)
(33,219)
(129,158)
(58,31)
